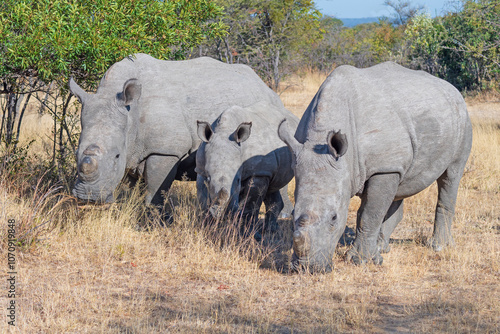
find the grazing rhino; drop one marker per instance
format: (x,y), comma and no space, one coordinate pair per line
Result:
(142,119)
(242,162)
(383,133)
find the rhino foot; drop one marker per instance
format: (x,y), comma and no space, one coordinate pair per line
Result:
(305,266)
(354,256)
(286,215)
(383,246)
(439,245)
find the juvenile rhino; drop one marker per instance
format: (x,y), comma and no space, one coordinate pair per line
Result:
(383,133)
(142,119)
(242,161)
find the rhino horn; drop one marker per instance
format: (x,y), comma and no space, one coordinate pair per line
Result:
(337,143)
(303,220)
(222,196)
(88,165)
(88,169)
(301,243)
(92,149)
(77,90)
(289,139)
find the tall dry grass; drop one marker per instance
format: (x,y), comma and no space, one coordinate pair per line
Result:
(116,269)
(299,89)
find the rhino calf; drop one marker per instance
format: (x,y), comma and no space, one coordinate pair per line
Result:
(383,133)
(242,162)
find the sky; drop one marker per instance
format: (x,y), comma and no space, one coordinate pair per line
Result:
(373,8)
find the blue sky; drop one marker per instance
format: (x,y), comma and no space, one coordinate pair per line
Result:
(373,8)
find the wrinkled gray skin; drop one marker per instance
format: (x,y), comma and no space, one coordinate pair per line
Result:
(142,120)
(383,133)
(243,162)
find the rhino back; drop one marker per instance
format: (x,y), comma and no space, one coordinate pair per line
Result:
(197,83)
(397,121)
(177,93)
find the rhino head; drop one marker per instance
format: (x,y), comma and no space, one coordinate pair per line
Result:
(322,194)
(221,163)
(102,149)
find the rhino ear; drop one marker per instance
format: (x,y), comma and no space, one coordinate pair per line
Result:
(131,92)
(289,139)
(204,131)
(77,90)
(242,132)
(337,143)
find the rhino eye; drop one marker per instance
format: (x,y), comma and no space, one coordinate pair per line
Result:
(333,223)
(117,156)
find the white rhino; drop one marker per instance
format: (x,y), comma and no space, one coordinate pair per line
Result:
(243,162)
(142,119)
(383,133)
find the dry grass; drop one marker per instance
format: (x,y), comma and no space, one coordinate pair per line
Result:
(298,90)
(102,269)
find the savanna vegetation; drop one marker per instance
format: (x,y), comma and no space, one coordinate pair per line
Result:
(116,268)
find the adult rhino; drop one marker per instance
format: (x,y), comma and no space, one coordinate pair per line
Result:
(383,133)
(242,162)
(142,119)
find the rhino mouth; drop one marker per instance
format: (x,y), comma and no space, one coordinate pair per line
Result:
(92,193)
(309,265)
(223,203)
(304,257)
(218,211)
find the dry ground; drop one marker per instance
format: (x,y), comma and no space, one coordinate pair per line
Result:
(100,269)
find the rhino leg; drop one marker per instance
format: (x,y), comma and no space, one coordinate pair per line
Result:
(445,208)
(286,212)
(274,205)
(391,220)
(185,170)
(376,200)
(254,191)
(202,192)
(159,174)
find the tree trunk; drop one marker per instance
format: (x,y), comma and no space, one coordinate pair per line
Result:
(276,71)
(21,116)
(229,53)
(4,114)
(11,117)
(219,52)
